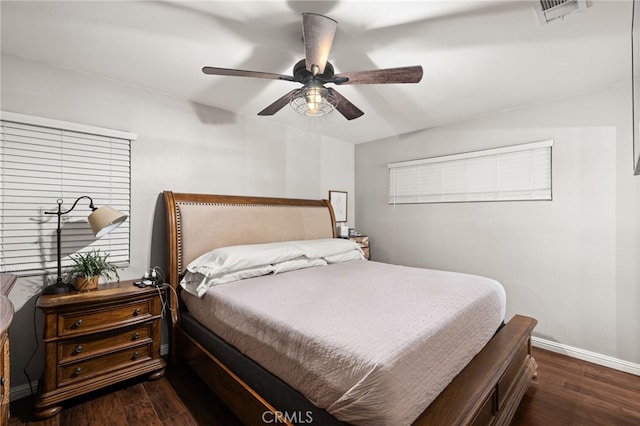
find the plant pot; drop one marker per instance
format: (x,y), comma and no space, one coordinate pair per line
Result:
(81,283)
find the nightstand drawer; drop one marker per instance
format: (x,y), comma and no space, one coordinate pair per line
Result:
(103,319)
(83,370)
(82,347)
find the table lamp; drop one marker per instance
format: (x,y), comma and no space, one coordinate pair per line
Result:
(102,221)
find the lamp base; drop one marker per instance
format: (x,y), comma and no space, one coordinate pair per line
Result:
(57,288)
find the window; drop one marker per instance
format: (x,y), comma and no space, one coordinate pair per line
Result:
(45,160)
(519,172)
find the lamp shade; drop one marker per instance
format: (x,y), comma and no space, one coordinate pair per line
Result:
(104,220)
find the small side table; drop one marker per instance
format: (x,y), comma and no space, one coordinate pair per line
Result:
(98,338)
(363,240)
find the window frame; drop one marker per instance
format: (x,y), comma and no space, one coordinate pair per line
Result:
(23,254)
(409,182)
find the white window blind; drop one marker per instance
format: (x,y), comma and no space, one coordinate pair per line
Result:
(518,172)
(45,160)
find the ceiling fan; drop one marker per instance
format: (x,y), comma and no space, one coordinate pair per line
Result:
(315,71)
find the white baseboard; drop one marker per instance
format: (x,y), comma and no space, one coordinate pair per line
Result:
(23,391)
(593,357)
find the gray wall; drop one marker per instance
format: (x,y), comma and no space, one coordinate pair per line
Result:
(572,263)
(182,147)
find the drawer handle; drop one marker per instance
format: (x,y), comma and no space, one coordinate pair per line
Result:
(136,336)
(2,381)
(77,323)
(78,349)
(136,354)
(77,371)
(136,312)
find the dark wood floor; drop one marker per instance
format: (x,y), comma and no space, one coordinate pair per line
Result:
(566,392)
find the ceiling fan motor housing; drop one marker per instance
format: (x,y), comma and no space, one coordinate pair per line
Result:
(302,75)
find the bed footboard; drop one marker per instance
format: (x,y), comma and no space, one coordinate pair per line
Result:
(489,389)
(487,392)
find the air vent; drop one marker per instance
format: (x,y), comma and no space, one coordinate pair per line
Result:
(550,10)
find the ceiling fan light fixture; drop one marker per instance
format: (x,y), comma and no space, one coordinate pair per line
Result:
(314,100)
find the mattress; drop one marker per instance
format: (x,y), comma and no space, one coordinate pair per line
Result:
(370,343)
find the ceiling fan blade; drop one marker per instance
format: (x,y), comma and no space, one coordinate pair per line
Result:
(279,104)
(318,32)
(411,74)
(242,73)
(346,108)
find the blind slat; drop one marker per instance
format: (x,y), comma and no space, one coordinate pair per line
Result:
(43,161)
(520,172)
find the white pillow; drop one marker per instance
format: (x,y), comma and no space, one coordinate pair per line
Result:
(197,283)
(343,257)
(233,263)
(235,258)
(314,249)
(298,263)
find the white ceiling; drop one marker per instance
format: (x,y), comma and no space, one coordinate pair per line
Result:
(478,56)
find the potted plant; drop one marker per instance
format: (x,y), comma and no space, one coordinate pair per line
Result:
(89,267)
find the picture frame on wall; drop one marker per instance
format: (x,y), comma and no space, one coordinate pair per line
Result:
(338,200)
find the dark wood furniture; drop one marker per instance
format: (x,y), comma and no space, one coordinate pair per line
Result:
(6,316)
(486,392)
(97,338)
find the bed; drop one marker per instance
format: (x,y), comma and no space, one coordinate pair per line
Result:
(485,389)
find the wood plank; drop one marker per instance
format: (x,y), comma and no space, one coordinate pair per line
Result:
(182,419)
(164,399)
(614,377)
(134,394)
(142,414)
(572,391)
(601,412)
(605,392)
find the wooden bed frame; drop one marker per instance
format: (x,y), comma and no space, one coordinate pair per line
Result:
(486,392)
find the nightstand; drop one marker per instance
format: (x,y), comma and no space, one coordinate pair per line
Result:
(98,338)
(363,240)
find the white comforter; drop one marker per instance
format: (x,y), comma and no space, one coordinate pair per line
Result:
(371,343)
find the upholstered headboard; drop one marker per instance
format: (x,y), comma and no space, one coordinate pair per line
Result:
(199,223)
